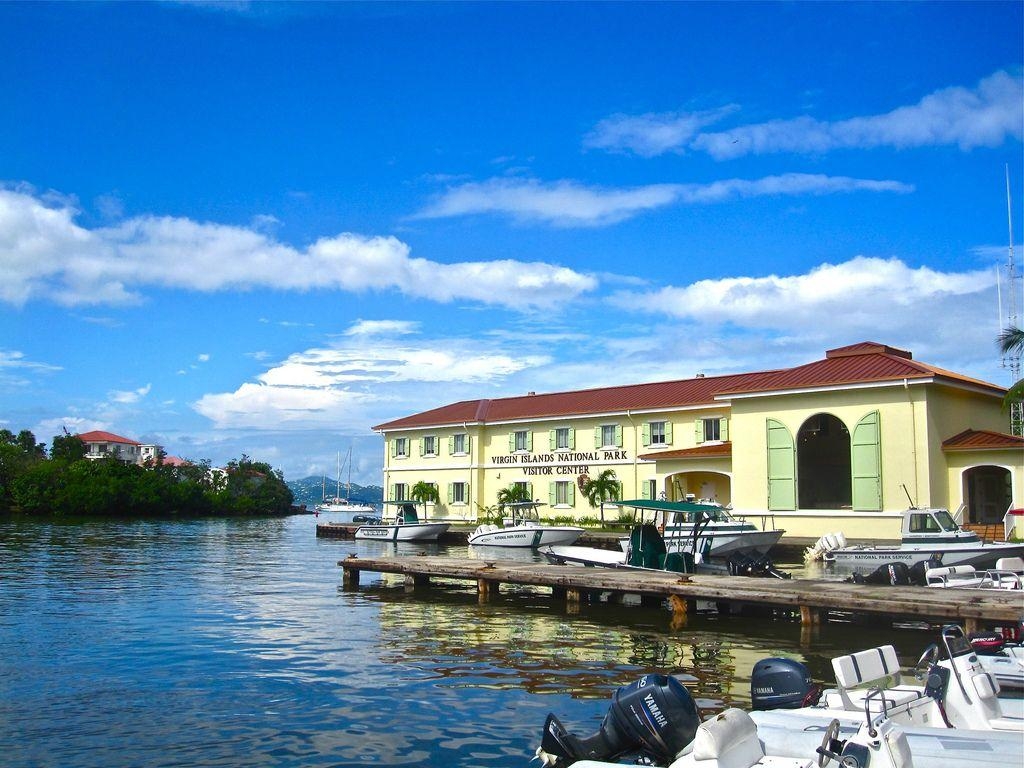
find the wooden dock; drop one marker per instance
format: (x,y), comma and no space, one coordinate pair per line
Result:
(813,599)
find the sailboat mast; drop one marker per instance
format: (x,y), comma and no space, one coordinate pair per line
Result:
(1011,360)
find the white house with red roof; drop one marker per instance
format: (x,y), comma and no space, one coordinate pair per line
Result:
(842,443)
(101,445)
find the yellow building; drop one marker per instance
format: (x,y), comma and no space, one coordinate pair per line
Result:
(843,443)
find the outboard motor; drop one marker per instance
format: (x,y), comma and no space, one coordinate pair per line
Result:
(654,717)
(895,574)
(987,643)
(778,683)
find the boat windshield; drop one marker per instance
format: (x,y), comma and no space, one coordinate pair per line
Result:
(689,517)
(945,520)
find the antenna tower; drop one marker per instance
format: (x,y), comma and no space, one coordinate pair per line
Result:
(1011,360)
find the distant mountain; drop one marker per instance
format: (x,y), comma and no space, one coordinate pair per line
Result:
(309,491)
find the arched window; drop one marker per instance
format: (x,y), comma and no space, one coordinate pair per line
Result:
(823,463)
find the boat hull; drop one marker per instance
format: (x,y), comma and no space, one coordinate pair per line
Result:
(980,556)
(403,532)
(591,557)
(724,544)
(527,536)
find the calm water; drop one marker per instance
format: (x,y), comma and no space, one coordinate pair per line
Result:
(217,643)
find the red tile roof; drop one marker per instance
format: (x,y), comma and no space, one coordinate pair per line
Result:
(866,362)
(99,436)
(982,439)
(715,450)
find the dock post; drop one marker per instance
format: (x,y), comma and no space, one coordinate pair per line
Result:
(349,573)
(573,598)
(971,625)
(416,581)
(810,617)
(487,589)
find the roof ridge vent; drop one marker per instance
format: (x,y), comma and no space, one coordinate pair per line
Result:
(868,348)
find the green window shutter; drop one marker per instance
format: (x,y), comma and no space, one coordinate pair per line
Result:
(668,433)
(422,443)
(391,493)
(451,444)
(512,442)
(781,467)
(647,433)
(645,489)
(597,437)
(551,439)
(468,443)
(723,425)
(572,438)
(618,491)
(451,492)
(529,490)
(618,435)
(551,494)
(529,440)
(698,435)
(572,494)
(866,463)
(466,492)
(394,448)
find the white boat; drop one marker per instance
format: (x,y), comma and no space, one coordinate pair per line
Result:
(341,509)
(405,527)
(523,528)
(708,529)
(967,577)
(955,690)
(928,535)
(655,721)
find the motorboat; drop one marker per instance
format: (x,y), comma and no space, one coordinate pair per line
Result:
(523,528)
(708,529)
(342,509)
(646,548)
(406,526)
(654,721)
(928,535)
(954,690)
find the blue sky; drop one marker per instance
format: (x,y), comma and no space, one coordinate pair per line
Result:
(246,228)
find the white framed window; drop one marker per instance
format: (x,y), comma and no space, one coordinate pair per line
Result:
(563,439)
(658,433)
(458,445)
(526,487)
(521,441)
(400,448)
(712,430)
(608,436)
(458,493)
(564,493)
(399,491)
(429,446)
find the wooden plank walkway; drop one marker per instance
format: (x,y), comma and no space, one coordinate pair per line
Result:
(813,598)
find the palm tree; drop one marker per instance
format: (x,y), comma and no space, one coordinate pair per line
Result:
(1011,342)
(602,488)
(514,494)
(424,492)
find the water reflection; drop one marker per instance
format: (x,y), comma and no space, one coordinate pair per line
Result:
(212,643)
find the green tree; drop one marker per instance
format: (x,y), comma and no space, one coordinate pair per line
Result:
(18,453)
(424,492)
(602,488)
(1011,342)
(513,494)
(67,448)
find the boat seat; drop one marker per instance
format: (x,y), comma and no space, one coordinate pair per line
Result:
(727,740)
(1015,564)
(871,669)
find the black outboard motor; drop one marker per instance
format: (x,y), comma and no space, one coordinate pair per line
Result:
(655,717)
(895,574)
(777,683)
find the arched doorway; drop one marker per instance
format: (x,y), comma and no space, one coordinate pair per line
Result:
(823,463)
(988,493)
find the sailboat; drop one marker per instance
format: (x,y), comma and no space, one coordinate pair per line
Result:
(342,509)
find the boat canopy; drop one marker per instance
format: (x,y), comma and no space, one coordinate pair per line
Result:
(678,511)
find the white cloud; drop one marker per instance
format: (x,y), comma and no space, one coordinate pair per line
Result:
(568,204)
(652,134)
(863,298)
(984,116)
(16,370)
(203,357)
(382,328)
(129,397)
(359,381)
(44,254)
